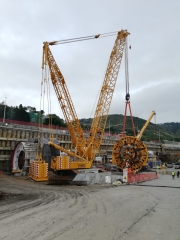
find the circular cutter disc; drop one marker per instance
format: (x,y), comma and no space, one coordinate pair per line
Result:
(18,157)
(129,150)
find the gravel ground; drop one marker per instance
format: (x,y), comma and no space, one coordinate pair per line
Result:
(34,211)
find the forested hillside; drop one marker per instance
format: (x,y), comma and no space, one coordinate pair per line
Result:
(114,124)
(153,132)
(173,127)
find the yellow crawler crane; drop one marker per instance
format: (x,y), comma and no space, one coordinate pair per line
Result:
(130,151)
(84,150)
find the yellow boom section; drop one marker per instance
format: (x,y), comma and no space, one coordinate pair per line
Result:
(64,100)
(107,90)
(145,125)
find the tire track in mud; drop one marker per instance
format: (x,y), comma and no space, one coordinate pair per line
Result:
(61,211)
(84,207)
(87,212)
(40,203)
(82,218)
(41,200)
(95,221)
(23,205)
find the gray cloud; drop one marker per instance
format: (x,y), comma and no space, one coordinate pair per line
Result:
(153,60)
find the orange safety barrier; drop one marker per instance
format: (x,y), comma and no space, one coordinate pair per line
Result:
(141,177)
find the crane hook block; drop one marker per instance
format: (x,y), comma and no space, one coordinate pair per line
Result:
(127,97)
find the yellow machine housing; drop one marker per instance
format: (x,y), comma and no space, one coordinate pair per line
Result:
(64,163)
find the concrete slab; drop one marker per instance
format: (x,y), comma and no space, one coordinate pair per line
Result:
(163,181)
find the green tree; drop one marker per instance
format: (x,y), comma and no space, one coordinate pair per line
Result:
(20,114)
(1,110)
(56,121)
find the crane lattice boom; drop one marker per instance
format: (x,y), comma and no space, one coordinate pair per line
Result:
(145,125)
(105,98)
(86,150)
(64,99)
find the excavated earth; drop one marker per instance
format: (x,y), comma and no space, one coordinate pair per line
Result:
(34,210)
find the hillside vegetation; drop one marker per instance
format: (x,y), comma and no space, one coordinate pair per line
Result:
(114,124)
(173,127)
(154,132)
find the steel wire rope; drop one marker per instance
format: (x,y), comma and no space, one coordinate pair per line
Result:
(70,40)
(126,71)
(126,68)
(82,40)
(49,105)
(42,109)
(43,86)
(39,144)
(127,97)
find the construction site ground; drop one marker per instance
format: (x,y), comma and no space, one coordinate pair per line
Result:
(36,211)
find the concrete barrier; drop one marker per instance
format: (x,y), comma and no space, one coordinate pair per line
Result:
(97,178)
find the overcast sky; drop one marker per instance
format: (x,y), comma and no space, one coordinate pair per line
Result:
(154,57)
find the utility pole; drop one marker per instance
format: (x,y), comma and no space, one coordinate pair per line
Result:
(4,110)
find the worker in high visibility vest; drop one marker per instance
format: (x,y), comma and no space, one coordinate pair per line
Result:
(173,174)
